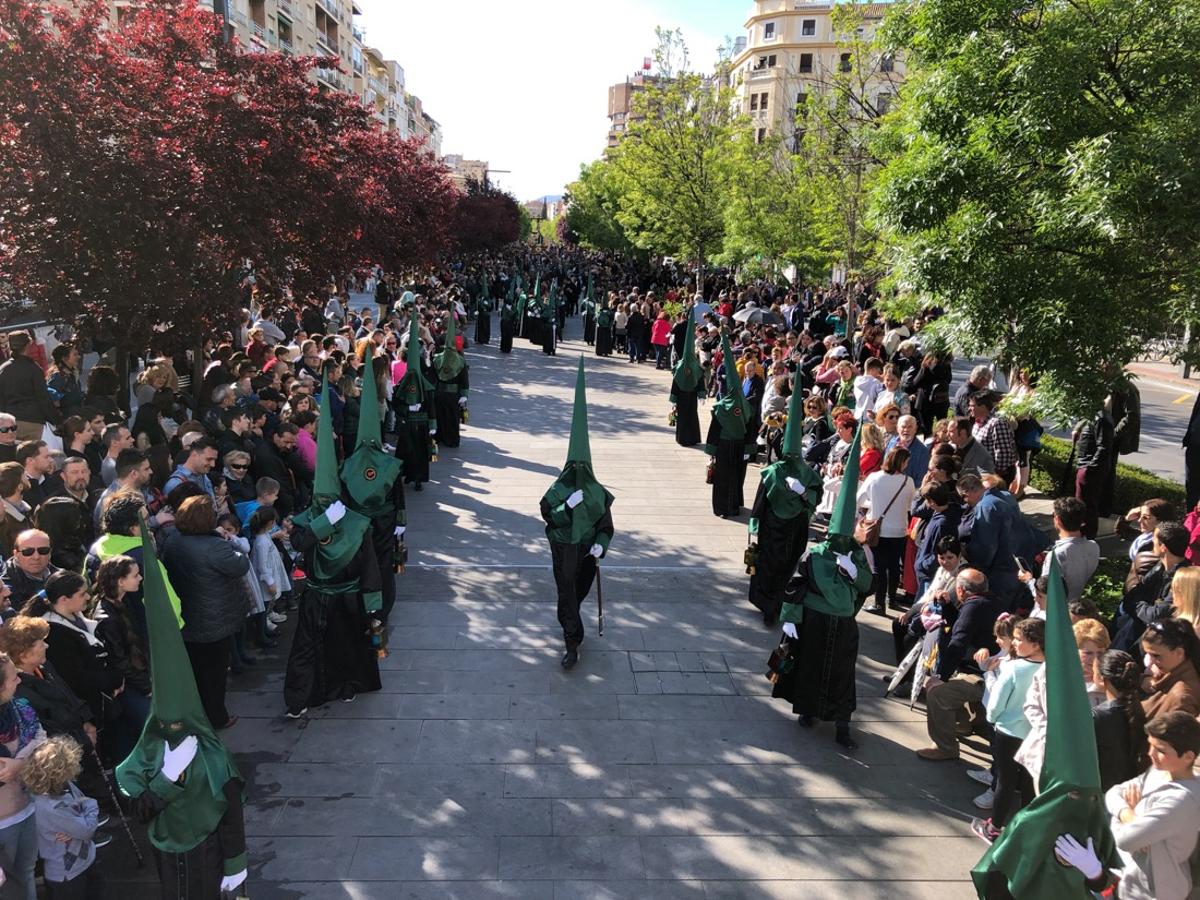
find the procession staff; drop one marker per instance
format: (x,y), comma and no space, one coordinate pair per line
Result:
(453,385)
(578,514)
(787,495)
(331,656)
(685,384)
(820,621)
(376,490)
(411,399)
(729,441)
(183,782)
(483,314)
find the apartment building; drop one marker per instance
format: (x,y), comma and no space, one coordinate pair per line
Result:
(620,104)
(326,28)
(464,170)
(792,52)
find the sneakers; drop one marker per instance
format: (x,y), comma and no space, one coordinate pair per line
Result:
(101,840)
(983,776)
(984,800)
(277,617)
(984,830)
(936,754)
(103,820)
(270,627)
(297,713)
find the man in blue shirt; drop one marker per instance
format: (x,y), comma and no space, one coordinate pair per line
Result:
(202,456)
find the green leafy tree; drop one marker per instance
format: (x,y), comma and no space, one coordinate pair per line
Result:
(673,164)
(592,205)
(1046,184)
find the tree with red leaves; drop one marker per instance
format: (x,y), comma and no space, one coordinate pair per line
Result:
(487,219)
(144,169)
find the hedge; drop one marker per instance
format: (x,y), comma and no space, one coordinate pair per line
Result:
(1134,485)
(1107,586)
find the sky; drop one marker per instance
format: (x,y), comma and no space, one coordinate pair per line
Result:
(523,84)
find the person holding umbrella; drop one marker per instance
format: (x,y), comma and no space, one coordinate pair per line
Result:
(577,510)
(787,495)
(688,376)
(730,442)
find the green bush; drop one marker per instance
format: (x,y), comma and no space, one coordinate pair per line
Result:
(1108,584)
(1134,485)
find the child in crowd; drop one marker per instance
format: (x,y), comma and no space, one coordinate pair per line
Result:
(66,821)
(990,666)
(269,567)
(1006,712)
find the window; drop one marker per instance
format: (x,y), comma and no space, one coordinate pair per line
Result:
(887,63)
(771,61)
(761,135)
(802,101)
(753,102)
(806,62)
(808,27)
(844,63)
(769,31)
(883,103)
(762,104)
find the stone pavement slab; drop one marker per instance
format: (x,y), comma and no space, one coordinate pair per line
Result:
(659,768)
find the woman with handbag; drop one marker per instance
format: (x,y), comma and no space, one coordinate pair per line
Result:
(887,496)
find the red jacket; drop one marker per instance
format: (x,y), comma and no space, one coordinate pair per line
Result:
(660,332)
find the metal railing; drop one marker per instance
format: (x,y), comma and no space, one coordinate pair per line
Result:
(285,7)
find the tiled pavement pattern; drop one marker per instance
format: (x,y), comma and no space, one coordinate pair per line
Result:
(659,768)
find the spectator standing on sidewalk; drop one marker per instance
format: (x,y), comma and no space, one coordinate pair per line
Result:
(23,392)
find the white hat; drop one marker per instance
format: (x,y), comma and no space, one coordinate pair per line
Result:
(840,352)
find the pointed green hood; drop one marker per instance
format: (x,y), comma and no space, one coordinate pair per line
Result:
(579,449)
(688,371)
(845,509)
(327,486)
(793,432)
(412,386)
(733,409)
(368,419)
(198,802)
(449,362)
(576,475)
(1070,799)
(368,473)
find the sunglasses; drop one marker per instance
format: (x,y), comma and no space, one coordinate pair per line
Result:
(29,551)
(238,466)
(7,429)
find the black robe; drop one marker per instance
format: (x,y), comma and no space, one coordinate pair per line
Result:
(821,683)
(550,337)
(197,874)
(687,418)
(781,543)
(728,494)
(589,327)
(445,405)
(604,340)
(483,326)
(331,656)
(508,327)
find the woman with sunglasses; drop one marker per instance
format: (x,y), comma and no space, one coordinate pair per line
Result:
(237,477)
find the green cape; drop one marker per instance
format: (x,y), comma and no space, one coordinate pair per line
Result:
(785,502)
(338,543)
(1071,801)
(449,362)
(368,472)
(413,385)
(197,802)
(688,370)
(577,475)
(733,409)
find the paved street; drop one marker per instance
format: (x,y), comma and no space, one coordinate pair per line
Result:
(659,768)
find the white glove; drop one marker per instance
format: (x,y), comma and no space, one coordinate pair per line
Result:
(575,499)
(795,486)
(1082,858)
(399,532)
(416,407)
(789,628)
(745,457)
(335,512)
(462,401)
(175,761)
(233,882)
(596,551)
(846,564)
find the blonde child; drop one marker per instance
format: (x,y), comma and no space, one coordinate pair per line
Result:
(66,821)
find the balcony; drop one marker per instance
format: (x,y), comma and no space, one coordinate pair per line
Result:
(258,32)
(359,34)
(325,47)
(331,7)
(766,73)
(286,46)
(378,85)
(284,8)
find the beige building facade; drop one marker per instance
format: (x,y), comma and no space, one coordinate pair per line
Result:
(792,52)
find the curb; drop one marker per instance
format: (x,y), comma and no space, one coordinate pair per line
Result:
(1164,381)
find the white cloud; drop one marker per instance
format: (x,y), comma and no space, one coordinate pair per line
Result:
(522,84)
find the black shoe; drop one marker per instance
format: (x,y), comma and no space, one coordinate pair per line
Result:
(876,609)
(419,487)
(805,721)
(899,603)
(842,738)
(770,618)
(101,839)
(570,658)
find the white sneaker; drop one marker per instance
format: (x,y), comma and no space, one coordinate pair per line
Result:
(984,800)
(298,714)
(277,617)
(983,776)
(271,627)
